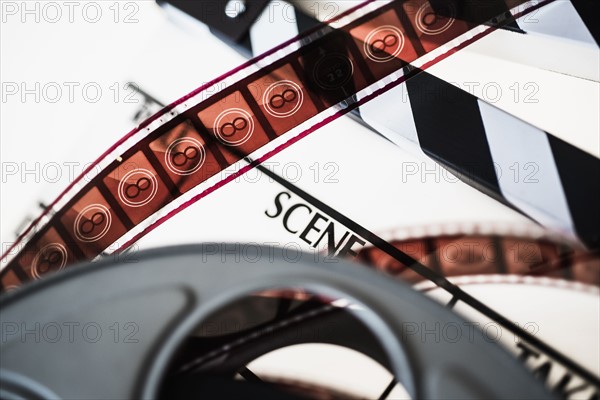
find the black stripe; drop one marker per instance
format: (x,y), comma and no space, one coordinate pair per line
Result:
(114,205)
(388,389)
(18,270)
(452,302)
(451,131)
(501,266)
(213,145)
(160,171)
(69,241)
(249,375)
(245,46)
(579,172)
(475,12)
(589,11)
(254,107)
(305,21)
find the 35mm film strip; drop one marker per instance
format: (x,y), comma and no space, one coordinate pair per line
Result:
(455,255)
(175,157)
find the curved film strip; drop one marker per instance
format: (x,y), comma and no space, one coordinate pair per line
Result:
(175,158)
(455,255)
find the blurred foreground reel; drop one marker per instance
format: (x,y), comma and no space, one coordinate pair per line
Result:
(170,292)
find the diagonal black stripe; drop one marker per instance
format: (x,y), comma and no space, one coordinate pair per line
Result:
(579,172)
(249,375)
(451,131)
(475,12)
(305,21)
(245,46)
(452,302)
(388,390)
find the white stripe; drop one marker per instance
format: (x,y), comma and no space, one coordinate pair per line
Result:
(391,115)
(526,170)
(275,25)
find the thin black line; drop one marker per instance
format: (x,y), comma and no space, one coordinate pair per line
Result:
(431,248)
(298,70)
(255,108)
(452,302)
(114,205)
(354,52)
(388,389)
(146,95)
(18,270)
(68,239)
(249,375)
(431,275)
(410,32)
(160,171)
(283,306)
(499,255)
(210,141)
(567,262)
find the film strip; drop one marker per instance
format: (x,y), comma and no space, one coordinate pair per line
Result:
(477,254)
(174,158)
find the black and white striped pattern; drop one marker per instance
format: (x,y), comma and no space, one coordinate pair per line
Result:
(516,163)
(550,181)
(538,174)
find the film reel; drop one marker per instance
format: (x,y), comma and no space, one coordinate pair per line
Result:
(464,369)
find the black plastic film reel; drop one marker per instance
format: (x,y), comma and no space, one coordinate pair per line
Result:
(169,292)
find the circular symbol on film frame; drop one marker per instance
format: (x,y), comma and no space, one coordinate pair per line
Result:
(283,98)
(384,43)
(184,156)
(92,223)
(333,71)
(138,188)
(234,126)
(51,258)
(433,24)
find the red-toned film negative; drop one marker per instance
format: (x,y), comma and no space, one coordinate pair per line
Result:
(484,254)
(174,158)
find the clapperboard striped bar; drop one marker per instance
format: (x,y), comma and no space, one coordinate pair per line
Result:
(470,137)
(474,139)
